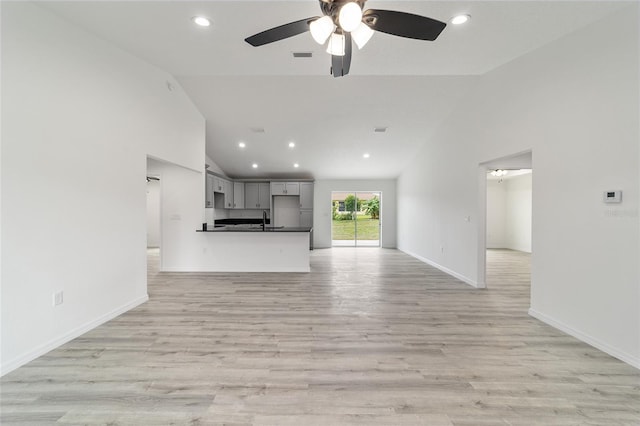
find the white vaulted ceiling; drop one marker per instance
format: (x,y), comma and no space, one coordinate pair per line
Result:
(408,86)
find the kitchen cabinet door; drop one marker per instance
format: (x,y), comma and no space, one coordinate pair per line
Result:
(228,194)
(251,195)
(264,197)
(257,195)
(306,218)
(306,195)
(278,188)
(238,195)
(218,184)
(209,191)
(292,188)
(285,188)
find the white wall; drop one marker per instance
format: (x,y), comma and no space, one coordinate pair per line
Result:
(574,104)
(518,213)
(509,213)
(322,208)
(496,214)
(79,118)
(153,213)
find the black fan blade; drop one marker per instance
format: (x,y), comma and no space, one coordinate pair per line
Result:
(279,33)
(340,65)
(403,24)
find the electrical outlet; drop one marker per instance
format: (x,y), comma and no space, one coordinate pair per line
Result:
(441,249)
(58,298)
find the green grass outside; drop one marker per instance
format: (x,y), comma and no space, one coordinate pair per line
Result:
(368,229)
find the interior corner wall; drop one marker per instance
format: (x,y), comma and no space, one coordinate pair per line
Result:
(322,207)
(496,214)
(574,104)
(509,213)
(79,117)
(153,214)
(518,213)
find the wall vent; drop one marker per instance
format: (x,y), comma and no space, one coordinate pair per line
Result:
(379,129)
(302,54)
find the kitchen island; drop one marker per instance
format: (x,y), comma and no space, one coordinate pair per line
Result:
(249,248)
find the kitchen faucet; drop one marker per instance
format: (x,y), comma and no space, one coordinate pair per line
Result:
(264,219)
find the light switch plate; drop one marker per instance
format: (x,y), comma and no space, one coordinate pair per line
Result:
(612,197)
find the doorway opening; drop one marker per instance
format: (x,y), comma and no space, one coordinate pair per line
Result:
(355,218)
(154,215)
(505,250)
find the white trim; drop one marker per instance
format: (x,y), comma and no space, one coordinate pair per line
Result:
(596,343)
(444,269)
(67,337)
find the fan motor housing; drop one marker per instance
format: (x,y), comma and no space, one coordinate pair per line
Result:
(332,7)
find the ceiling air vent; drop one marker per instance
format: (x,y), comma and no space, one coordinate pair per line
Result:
(379,129)
(257,129)
(302,54)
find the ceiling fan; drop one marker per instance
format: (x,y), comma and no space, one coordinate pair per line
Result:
(344,21)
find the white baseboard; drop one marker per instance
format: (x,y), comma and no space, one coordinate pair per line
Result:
(76,332)
(596,343)
(240,269)
(446,270)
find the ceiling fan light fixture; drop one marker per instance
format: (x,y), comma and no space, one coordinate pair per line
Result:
(336,45)
(460,19)
(201,21)
(321,29)
(361,35)
(350,16)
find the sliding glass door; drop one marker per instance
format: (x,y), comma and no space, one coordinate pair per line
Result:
(355,219)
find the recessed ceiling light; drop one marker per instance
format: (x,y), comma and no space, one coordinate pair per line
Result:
(366,155)
(296,165)
(254,165)
(460,19)
(242,144)
(292,144)
(201,21)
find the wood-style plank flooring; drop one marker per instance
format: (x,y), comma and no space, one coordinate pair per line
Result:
(369,337)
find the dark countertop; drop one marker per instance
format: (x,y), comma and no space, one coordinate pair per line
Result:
(240,221)
(257,229)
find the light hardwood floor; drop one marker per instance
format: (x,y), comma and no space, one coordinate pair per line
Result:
(370,336)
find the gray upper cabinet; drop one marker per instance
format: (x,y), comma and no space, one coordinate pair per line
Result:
(306,195)
(257,195)
(209,191)
(228,194)
(264,199)
(218,184)
(238,195)
(285,188)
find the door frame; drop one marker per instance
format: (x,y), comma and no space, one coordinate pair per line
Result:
(355,240)
(483,168)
